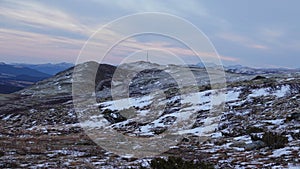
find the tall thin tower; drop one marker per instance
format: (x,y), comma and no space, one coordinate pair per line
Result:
(147,56)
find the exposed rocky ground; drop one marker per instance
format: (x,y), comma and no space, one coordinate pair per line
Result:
(257,128)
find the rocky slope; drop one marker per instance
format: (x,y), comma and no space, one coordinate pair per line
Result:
(257,128)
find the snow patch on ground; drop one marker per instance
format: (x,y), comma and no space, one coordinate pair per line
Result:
(283,151)
(207,129)
(275,122)
(259,92)
(233,95)
(7,117)
(127,103)
(281,92)
(95,124)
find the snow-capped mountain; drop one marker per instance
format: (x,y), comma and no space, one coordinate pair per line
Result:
(240,69)
(254,71)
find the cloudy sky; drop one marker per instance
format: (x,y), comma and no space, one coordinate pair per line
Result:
(253,33)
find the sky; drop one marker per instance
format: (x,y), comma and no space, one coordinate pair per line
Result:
(251,33)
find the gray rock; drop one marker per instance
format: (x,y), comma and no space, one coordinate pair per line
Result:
(255,145)
(239,144)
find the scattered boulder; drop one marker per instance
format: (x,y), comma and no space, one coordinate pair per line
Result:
(239,144)
(255,145)
(293,116)
(113,116)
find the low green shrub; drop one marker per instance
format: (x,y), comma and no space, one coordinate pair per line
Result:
(272,140)
(275,140)
(178,163)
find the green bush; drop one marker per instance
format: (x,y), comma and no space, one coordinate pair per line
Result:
(178,163)
(272,140)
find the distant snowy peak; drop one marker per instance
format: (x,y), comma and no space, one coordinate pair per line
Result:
(242,70)
(203,65)
(239,69)
(236,67)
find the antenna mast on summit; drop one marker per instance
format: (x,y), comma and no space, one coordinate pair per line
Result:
(147,56)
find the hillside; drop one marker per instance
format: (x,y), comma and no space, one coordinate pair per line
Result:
(257,126)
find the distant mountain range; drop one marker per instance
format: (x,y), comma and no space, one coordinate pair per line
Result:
(202,65)
(14,77)
(253,71)
(48,68)
(240,69)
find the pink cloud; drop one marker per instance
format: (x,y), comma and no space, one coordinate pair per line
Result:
(256,46)
(242,40)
